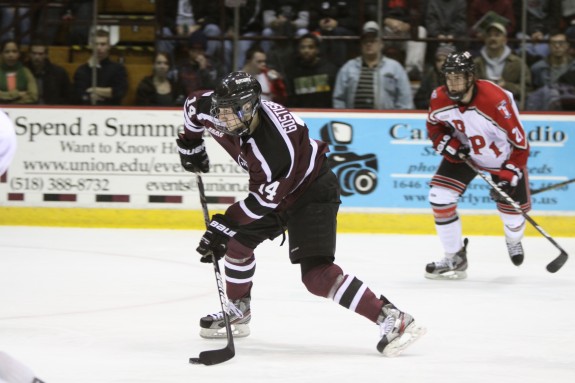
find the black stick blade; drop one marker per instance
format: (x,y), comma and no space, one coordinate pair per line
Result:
(211,357)
(557,263)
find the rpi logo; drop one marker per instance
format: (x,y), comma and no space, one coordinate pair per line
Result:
(356,173)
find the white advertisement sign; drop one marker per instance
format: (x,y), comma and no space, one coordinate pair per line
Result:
(121,158)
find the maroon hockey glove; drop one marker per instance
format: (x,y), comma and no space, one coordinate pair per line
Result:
(451,148)
(193,155)
(509,176)
(215,239)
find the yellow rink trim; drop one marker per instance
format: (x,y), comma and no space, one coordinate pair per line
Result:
(559,226)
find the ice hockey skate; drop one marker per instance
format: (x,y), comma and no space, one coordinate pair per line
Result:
(213,326)
(398,331)
(449,267)
(515,252)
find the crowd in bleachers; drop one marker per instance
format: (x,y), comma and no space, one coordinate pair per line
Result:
(365,54)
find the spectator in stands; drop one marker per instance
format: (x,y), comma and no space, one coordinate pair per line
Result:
(112,79)
(542,17)
(17,83)
(432,77)
(271,81)
(54,85)
(81,15)
(548,70)
(280,55)
(181,18)
(401,22)
(372,81)
(499,64)
(199,72)
(158,89)
(564,98)
(251,25)
(16,21)
(310,78)
(568,16)
(479,8)
(546,73)
(78,14)
(283,18)
(446,20)
(334,19)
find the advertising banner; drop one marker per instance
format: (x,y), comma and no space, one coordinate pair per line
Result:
(385,160)
(127,158)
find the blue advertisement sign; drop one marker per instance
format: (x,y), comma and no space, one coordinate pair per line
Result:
(385,160)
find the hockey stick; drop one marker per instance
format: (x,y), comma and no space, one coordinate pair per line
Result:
(551,187)
(560,260)
(211,357)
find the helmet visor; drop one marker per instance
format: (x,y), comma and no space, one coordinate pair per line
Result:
(231,116)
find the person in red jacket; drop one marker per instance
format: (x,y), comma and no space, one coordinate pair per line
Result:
(477,119)
(271,81)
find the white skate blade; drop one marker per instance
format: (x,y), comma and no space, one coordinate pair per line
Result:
(412,333)
(448,275)
(238,331)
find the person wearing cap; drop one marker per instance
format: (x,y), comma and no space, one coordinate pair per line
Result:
(432,77)
(496,62)
(477,9)
(372,80)
(199,72)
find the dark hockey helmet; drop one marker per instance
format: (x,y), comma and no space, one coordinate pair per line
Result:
(238,93)
(456,63)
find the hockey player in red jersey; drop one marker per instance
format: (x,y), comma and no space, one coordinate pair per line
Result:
(290,187)
(478,119)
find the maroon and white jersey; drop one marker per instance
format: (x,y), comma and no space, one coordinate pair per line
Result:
(279,156)
(489,125)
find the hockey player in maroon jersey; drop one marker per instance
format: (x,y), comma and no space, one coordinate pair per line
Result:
(478,119)
(290,187)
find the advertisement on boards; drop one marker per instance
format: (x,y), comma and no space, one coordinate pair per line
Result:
(127,158)
(386,160)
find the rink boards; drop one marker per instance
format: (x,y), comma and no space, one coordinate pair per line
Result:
(118,167)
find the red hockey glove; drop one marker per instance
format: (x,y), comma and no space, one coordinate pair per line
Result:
(215,239)
(451,148)
(193,155)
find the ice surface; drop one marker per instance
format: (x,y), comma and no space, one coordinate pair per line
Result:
(118,305)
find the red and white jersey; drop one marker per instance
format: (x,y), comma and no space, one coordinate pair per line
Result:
(489,125)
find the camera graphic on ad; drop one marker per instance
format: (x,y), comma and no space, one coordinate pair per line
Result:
(356,173)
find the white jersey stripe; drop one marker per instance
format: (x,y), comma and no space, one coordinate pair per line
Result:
(357,297)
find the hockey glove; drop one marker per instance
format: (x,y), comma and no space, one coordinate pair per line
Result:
(451,148)
(215,239)
(509,176)
(193,155)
